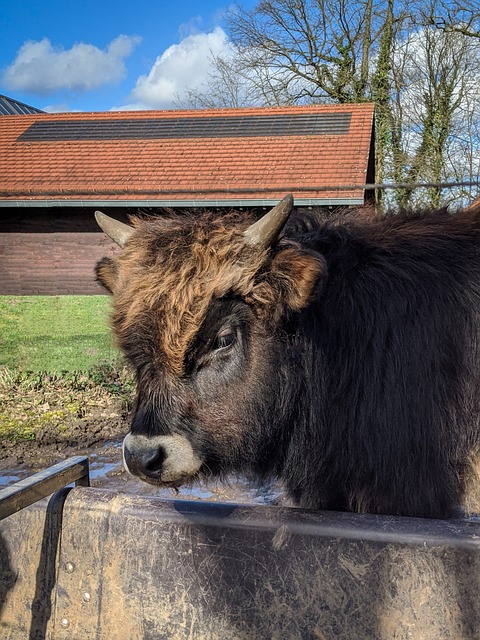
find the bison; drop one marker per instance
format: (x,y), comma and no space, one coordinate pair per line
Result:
(339,355)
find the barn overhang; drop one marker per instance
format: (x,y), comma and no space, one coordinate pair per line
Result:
(182,204)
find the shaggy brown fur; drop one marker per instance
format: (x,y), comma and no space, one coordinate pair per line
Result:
(180,264)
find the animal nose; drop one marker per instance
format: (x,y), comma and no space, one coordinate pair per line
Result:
(144,462)
(160,460)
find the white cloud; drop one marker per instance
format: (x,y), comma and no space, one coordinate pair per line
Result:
(181,67)
(61,107)
(42,69)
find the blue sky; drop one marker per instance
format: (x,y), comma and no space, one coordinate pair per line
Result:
(102,55)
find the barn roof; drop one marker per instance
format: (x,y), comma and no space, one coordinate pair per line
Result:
(224,157)
(12,107)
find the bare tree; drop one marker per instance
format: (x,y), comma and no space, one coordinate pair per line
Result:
(415,60)
(434,74)
(236,82)
(453,16)
(320,49)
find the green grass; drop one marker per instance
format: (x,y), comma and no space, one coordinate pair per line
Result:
(55,333)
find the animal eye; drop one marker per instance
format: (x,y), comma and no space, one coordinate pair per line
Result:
(224,340)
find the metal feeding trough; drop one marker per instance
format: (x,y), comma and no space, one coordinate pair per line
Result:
(88,563)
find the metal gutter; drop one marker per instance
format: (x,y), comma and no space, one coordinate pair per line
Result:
(264,202)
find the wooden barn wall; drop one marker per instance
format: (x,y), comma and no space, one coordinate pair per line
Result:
(51,252)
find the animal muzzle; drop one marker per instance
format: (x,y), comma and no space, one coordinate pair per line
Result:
(160,460)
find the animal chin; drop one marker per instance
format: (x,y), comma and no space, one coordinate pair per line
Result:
(166,480)
(166,484)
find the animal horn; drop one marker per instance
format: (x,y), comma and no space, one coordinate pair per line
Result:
(265,231)
(117,231)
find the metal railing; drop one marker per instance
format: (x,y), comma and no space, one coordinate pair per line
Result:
(42,484)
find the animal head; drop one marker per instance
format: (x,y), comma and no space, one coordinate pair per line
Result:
(199,303)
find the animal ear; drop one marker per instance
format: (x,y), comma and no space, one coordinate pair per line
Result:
(296,274)
(106,273)
(290,281)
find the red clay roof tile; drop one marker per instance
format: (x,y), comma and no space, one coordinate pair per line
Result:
(177,170)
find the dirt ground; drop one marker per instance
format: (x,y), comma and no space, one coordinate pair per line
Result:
(76,438)
(43,419)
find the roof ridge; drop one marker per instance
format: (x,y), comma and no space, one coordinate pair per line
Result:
(200,113)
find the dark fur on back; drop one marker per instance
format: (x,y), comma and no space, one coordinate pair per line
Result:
(388,366)
(355,372)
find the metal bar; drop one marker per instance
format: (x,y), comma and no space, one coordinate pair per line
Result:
(169,203)
(42,484)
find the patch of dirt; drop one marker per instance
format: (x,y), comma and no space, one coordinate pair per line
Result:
(52,417)
(75,439)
